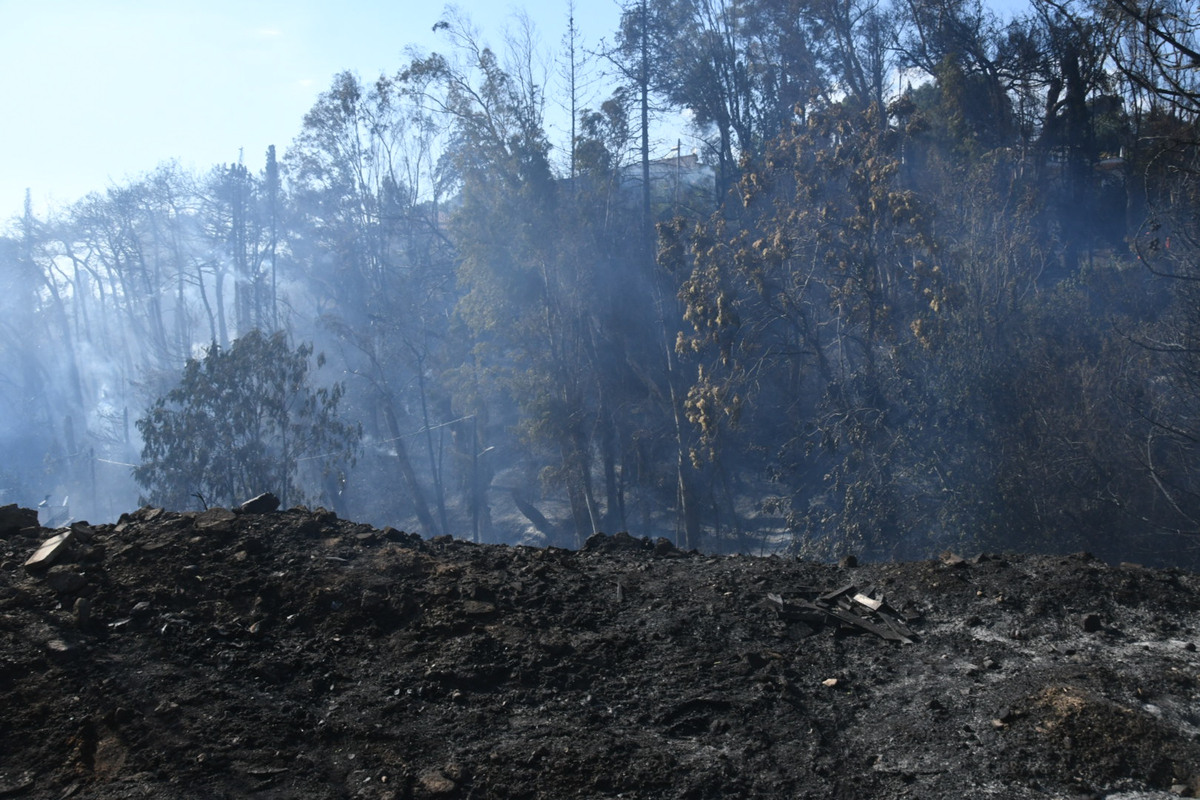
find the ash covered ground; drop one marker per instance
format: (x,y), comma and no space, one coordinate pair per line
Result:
(292,654)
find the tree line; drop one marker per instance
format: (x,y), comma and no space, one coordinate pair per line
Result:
(927,282)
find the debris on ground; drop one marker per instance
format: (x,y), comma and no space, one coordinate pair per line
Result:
(284,654)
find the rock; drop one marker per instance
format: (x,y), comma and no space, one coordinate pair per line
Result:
(308,528)
(167,708)
(83,531)
(475,608)
(436,784)
(13,518)
(62,650)
(65,580)
(265,503)
(1091,623)
(595,542)
(664,547)
(373,598)
(848,562)
(148,513)
(951,559)
(215,519)
(50,551)
(83,612)
(394,535)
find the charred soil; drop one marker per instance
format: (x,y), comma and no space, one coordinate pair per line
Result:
(293,654)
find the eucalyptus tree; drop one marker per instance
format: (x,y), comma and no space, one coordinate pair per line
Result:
(522,297)
(368,238)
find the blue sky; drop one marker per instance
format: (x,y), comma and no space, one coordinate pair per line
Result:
(97,90)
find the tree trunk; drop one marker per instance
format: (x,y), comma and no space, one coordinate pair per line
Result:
(407,472)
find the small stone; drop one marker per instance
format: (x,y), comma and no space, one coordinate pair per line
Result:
(951,559)
(166,708)
(830,682)
(1179,789)
(435,783)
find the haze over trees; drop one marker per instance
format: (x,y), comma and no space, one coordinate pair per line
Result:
(242,418)
(929,281)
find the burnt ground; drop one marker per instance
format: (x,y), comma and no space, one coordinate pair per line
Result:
(292,654)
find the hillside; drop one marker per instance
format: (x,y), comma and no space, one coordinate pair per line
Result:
(293,654)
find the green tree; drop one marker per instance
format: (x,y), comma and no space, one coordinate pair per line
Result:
(242,421)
